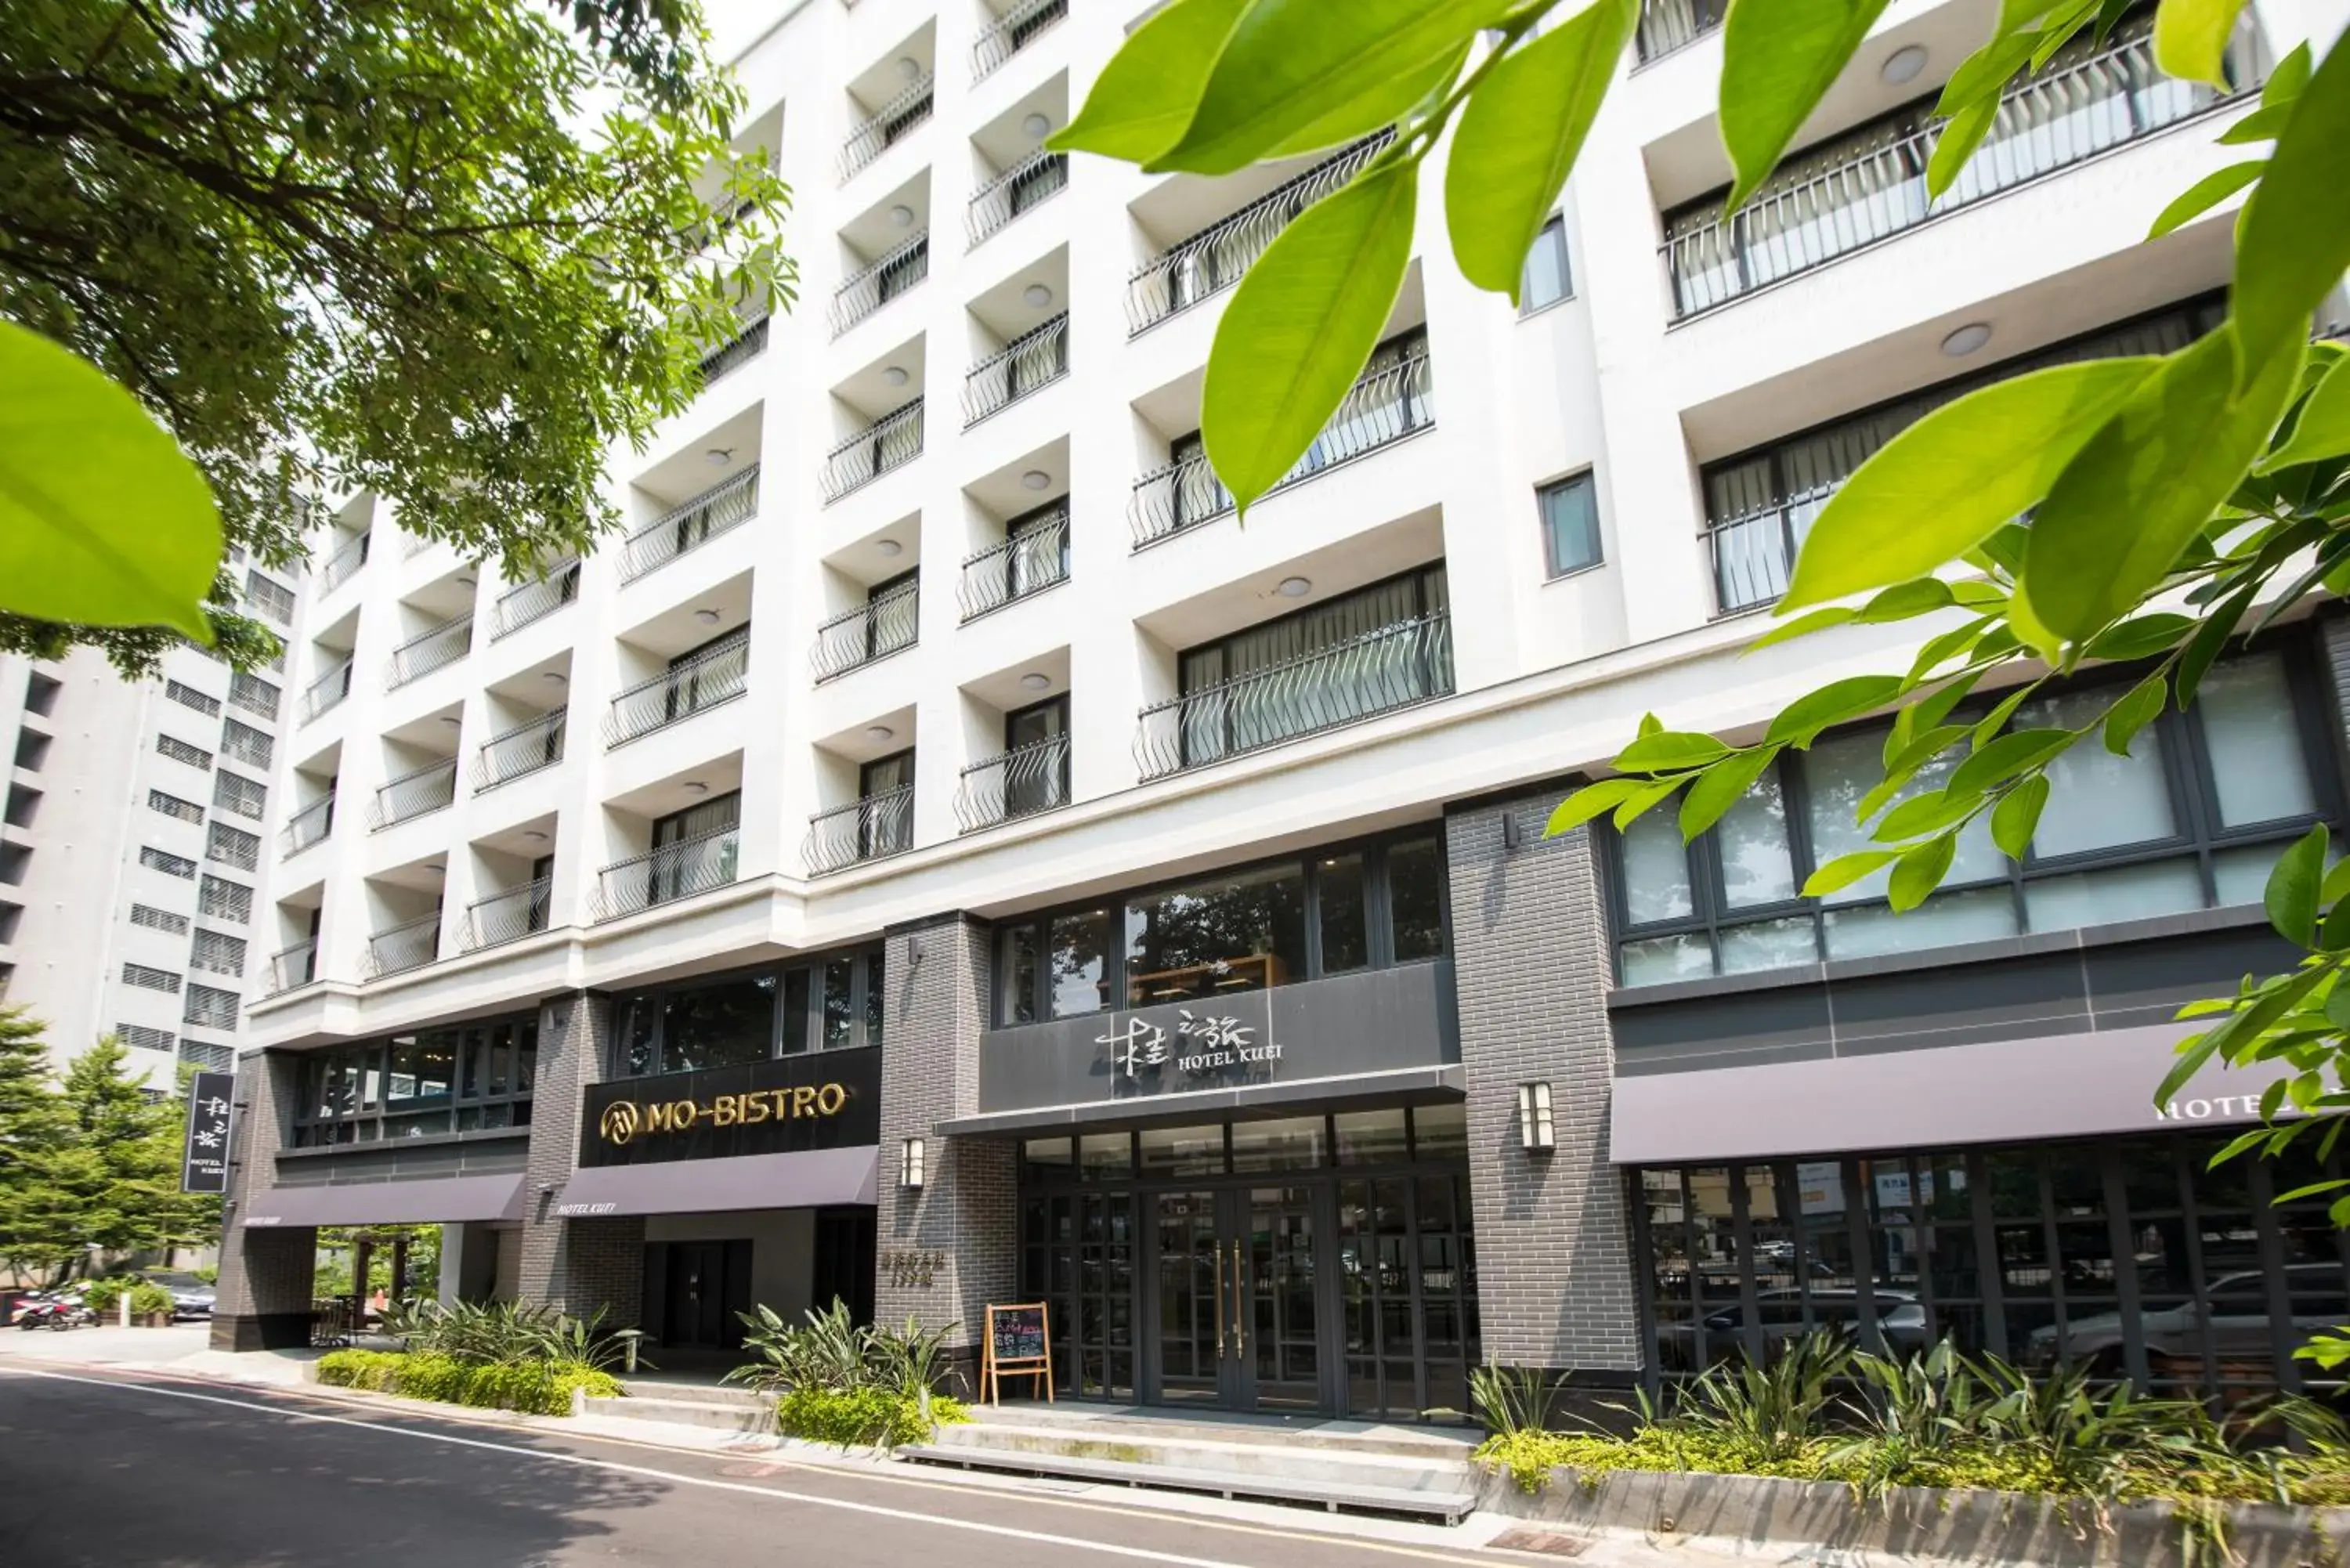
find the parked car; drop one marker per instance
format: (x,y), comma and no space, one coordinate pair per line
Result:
(1900,1321)
(192,1299)
(2235,1310)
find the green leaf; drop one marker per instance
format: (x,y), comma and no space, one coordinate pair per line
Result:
(2290,897)
(1641,798)
(2336,884)
(1929,812)
(1846,869)
(1669,749)
(2190,39)
(1518,136)
(1779,59)
(1902,601)
(1990,723)
(2209,639)
(2148,483)
(2134,712)
(2263,124)
(1721,788)
(2019,751)
(2139,637)
(2323,431)
(2293,243)
(1936,706)
(2337,1003)
(1290,64)
(1592,800)
(1921,871)
(2288,78)
(1300,327)
(1948,481)
(1143,100)
(1800,723)
(1936,651)
(1652,725)
(1804,624)
(2017,814)
(2205,195)
(103,520)
(1959,137)
(1384,105)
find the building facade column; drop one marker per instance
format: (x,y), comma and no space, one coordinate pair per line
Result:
(576,1266)
(264,1291)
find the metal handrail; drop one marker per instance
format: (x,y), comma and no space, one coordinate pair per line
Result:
(678,693)
(674,871)
(871,828)
(1392,667)
(720,509)
(418,793)
(1007,37)
(884,126)
(1384,407)
(254,694)
(296,966)
(2044,124)
(1668,24)
(1213,260)
(746,346)
(1030,362)
(1015,190)
(872,630)
(890,442)
(525,749)
(348,558)
(899,269)
(1036,559)
(327,691)
(307,826)
(508,916)
(411,944)
(526,602)
(430,649)
(1021,781)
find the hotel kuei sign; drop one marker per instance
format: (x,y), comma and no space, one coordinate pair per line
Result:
(826,1099)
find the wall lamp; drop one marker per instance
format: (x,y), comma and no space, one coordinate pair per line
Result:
(1533,1118)
(911,1161)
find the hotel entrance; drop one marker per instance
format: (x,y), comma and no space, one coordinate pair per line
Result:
(1240,1308)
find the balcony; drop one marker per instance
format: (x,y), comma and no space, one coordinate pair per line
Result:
(888,125)
(519,605)
(1032,560)
(1213,259)
(1019,782)
(327,691)
(703,681)
(873,629)
(508,916)
(872,828)
(1386,405)
(430,650)
(339,567)
(739,349)
(720,509)
(411,944)
(1396,665)
(1024,185)
(420,793)
(306,826)
(1669,25)
(868,291)
(1010,33)
(297,966)
(1830,201)
(1034,359)
(525,749)
(672,872)
(890,442)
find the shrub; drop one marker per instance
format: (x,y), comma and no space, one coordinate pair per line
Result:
(853,1416)
(535,1387)
(359,1368)
(104,1296)
(832,1352)
(148,1298)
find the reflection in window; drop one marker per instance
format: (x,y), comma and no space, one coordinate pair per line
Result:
(1338,899)
(403,1088)
(1416,897)
(1656,869)
(839,1019)
(2097,800)
(1080,963)
(2253,740)
(1019,975)
(730,1024)
(877,998)
(1215,939)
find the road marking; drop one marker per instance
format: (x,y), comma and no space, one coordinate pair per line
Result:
(1046,1537)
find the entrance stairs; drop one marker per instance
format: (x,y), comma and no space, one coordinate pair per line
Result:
(1357,1467)
(682,1404)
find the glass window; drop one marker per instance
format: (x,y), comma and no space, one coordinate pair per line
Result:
(1102,1156)
(795,1010)
(1294,1143)
(406,1058)
(1757,868)
(1652,960)
(1079,963)
(1838,771)
(1440,1131)
(1656,872)
(2097,800)
(1049,1156)
(1020,975)
(1416,897)
(1942,920)
(471,1066)
(2242,876)
(1338,895)
(527,1059)
(1545,281)
(2254,742)
(2113,893)
(638,1019)
(501,1058)
(1182,1151)
(725,1026)
(1768,944)
(1570,520)
(1243,933)
(839,1020)
(1369,1137)
(877,998)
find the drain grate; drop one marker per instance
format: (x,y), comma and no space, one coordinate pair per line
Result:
(1548,1544)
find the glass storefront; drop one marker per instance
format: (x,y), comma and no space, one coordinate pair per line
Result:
(477,1078)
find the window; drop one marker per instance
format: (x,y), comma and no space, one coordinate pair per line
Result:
(253,694)
(728,1024)
(173,805)
(1547,280)
(141,1037)
(274,599)
(2194,817)
(233,847)
(475,1079)
(207,1057)
(239,796)
(216,954)
(221,899)
(1570,522)
(147,978)
(189,696)
(208,1007)
(158,920)
(170,865)
(838,1002)
(246,743)
(178,751)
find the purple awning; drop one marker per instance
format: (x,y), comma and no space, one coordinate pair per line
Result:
(446,1201)
(808,1179)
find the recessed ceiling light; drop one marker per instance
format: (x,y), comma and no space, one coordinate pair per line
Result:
(1294,587)
(1035,125)
(534,834)
(436,869)
(894,374)
(556,677)
(909,67)
(1965,340)
(695,786)
(1903,65)
(718,456)
(1035,681)
(903,216)
(708,617)
(1038,295)
(880,732)
(468,582)
(449,719)
(1037,479)
(888,546)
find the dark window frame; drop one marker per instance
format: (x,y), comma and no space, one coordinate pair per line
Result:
(1587,478)
(373,1124)
(1554,230)
(863,959)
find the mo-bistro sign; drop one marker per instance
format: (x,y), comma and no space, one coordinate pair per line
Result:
(827,1099)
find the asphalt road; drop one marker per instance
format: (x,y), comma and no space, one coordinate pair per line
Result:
(112,1470)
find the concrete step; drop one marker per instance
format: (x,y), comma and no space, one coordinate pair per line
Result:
(1188,1445)
(1257,1484)
(697,1392)
(1435,1445)
(719,1416)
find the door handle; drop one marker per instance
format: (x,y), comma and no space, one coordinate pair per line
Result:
(1240,1294)
(1220,1300)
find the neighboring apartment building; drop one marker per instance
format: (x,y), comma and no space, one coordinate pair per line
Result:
(131,849)
(939,857)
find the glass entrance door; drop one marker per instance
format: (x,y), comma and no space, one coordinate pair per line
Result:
(1240,1299)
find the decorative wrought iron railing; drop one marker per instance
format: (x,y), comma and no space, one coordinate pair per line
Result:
(893,439)
(1034,359)
(295,967)
(536,600)
(1028,183)
(1019,782)
(871,828)
(327,691)
(348,558)
(703,681)
(868,291)
(411,944)
(1035,558)
(739,349)
(508,916)
(720,509)
(1009,34)
(430,650)
(307,826)
(887,125)
(672,872)
(878,627)
(1668,24)
(415,793)
(525,749)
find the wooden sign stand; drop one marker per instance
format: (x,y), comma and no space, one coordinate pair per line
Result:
(1008,1351)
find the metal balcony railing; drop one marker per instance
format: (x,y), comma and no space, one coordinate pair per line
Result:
(525,749)
(894,439)
(1026,185)
(1669,25)
(1831,202)
(1036,358)
(1019,782)
(868,829)
(418,793)
(1035,558)
(720,509)
(1393,667)
(414,544)
(508,916)
(891,123)
(672,872)
(327,691)
(429,650)
(1009,34)
(348,558)
(526,602)
(1385,406)
(868,291)
(878,627)
(411,944)
(705,681)
(739,349)
(306,826)
(1213,259)
(296,966)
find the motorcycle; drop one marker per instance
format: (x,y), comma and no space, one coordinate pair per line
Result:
(55,1312)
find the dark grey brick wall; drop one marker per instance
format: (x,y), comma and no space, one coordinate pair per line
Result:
(264,1272)
(1530,953)
(578,1265)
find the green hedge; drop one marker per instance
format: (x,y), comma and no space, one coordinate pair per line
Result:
(535,1387)
(853,1417)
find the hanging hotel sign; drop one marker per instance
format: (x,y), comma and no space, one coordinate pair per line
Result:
(204,1167)
(827,1099)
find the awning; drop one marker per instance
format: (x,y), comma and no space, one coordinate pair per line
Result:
(808,1179)
(446,1201)
(1396,1086)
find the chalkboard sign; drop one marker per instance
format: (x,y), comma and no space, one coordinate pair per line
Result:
(1019,1344)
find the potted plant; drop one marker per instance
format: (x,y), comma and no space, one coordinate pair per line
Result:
(150,1305)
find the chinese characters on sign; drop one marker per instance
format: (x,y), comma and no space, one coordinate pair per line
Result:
(204,1167)
(1205,1045)
(912,1270)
